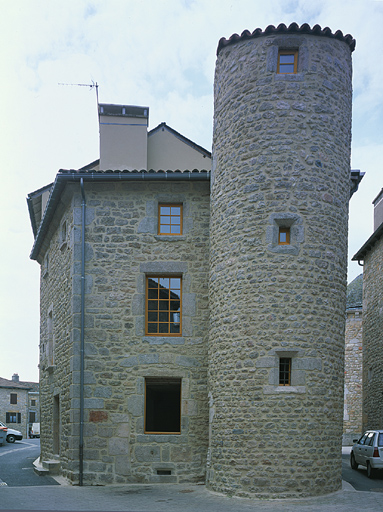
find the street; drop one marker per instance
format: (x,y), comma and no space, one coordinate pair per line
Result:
(16,469)
(358,478)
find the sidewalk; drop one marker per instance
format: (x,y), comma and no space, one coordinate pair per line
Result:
(175,498)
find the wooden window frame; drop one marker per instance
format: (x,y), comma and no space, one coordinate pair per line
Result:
(162,381)
(171,216)
(284,230)
(285,371)
(169,310)
(287,52)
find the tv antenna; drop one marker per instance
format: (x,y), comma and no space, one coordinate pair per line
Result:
(93,85)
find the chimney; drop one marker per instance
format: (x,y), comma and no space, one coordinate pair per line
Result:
(378,210)
(123,137)
(15,377)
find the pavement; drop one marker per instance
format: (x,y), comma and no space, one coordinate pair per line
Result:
(176,498)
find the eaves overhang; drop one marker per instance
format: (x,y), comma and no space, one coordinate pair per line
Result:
(71,176)
(293,28)
(366,248)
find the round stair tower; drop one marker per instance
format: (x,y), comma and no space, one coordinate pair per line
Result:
(278,261)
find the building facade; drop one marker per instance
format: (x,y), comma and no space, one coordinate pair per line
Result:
(192,320)
(371,256)
(19,404)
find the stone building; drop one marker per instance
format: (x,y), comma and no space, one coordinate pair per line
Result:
(19,403)
(352,418)
(371,255)
(191,330)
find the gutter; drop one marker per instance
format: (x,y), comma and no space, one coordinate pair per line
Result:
(82,335)
(63,177)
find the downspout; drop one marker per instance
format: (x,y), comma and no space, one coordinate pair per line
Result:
(82,337)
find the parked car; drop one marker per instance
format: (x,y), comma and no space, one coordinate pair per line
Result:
(12,435)
(35,430)
(368,451)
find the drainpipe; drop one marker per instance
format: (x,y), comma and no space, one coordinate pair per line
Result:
(82,337)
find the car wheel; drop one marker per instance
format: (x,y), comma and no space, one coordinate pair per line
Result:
(10,438)
(353,462)
(370,471)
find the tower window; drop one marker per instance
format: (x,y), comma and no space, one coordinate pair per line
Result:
(163,306)
(285,371)
(170,219)
(162,406)
(287,61)
(284,236)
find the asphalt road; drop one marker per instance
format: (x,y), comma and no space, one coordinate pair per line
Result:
(16,469)
(358,478)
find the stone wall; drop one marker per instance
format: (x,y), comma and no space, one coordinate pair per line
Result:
(372,337)
(281,151)
(352,417)
(122,247)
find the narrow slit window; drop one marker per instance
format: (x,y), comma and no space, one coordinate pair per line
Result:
(170,219)
(162,406)
(287,61)
(284,236)
(163,305)
(285,371)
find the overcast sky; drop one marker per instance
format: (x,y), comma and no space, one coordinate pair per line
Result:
(155,53)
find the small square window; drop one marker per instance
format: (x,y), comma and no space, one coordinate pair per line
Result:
(170,219)
(162,406)
(163,305)
(33,403)
(13,399)
(284,236)
(287,61)
(285,371)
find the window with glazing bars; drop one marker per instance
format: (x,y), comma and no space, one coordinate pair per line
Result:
(170,219)
(287,61)
(163,305)
(285,371)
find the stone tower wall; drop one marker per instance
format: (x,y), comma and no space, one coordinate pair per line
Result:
(281,157)
(372,337)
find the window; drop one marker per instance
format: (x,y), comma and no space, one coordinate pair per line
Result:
(285,371)
(32,417)
(162,406)
(284,236)
(13,399)
(170,219)
(163,306)
(12,417)
(287,61)
(33,403)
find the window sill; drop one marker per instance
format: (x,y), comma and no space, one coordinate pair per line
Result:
(284,390)
(170,238)
(161,340)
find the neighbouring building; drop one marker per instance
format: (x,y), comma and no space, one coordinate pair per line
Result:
(352,419)
(193,308)
(371,256)
(19,403)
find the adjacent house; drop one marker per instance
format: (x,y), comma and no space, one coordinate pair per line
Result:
(19,403)
(371,256)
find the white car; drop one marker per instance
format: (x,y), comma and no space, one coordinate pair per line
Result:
(12,435)
(368,451)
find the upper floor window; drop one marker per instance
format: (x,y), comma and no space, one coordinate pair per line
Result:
(33,403)
(12,417)
(163,306)
(285,371)
(284,236)
(170,219)
(287,61)
(13,399)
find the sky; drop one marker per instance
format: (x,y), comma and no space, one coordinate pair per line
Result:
(154,53)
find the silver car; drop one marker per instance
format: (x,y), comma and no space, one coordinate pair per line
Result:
(368,451)
(12,435)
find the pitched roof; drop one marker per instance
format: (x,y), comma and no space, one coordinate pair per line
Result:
(179,136)
(355,293)
(294,28)
(366,248)
(30,386)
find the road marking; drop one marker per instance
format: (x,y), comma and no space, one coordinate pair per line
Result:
(28,447)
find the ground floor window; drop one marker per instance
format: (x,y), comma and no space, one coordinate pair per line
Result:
(162,405)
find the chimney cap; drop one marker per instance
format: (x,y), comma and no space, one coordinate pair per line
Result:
(105,109)
(15,377)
